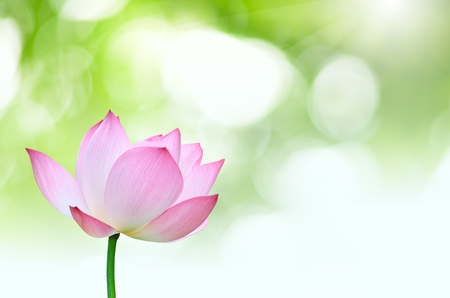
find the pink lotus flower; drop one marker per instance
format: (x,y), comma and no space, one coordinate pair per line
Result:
(154,190)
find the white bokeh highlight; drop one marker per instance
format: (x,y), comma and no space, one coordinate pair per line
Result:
(230,80)
(33,117)
(326,175)
(10,52)
(392,11)
(344,98)
(86,10)
(132,62)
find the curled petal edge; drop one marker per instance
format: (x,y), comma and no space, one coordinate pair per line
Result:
(55,183)
(90,225)
(181,220)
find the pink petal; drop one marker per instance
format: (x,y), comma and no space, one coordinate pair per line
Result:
(191,156)
(172,141)
(83,148)
(91,225)
(154,137)
(55,183)
(178,221)
(143,183)
(198,229)
(106,144)
(200,180)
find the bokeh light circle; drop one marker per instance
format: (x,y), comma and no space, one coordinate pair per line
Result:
(10,52)
(344,98)
(33,117)
(231,81)
(86,10)
(131,65)
(326,175)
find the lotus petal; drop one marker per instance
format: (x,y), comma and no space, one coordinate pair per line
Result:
(171,141)
(106,144)
(191,157)
(83,148)
(178,221)
(91,225)
(55,183)
(143,183)
(200,180)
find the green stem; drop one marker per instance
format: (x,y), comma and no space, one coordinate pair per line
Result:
(111,285)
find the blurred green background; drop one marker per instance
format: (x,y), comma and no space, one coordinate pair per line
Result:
(333,118)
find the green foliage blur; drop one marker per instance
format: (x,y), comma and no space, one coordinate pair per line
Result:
(72,70)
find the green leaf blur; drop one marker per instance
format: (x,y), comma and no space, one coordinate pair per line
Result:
(262,83)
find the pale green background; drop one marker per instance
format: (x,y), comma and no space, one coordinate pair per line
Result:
(333,118)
